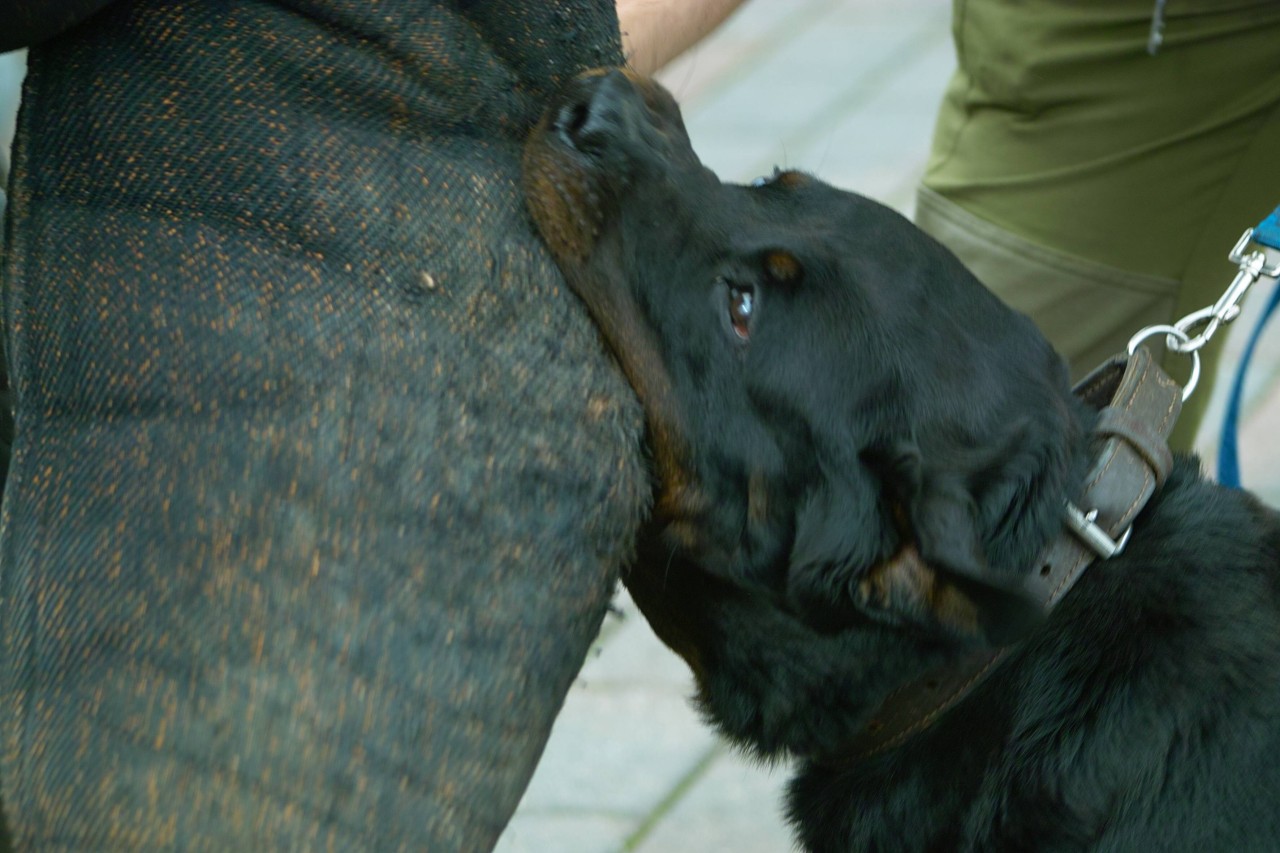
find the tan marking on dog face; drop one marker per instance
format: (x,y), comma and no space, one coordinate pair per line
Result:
(791,179)
(905,586)
(782,267)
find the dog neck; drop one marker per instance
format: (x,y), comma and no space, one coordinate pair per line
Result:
(1137,406)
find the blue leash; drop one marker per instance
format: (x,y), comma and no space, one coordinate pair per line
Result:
(1266,234)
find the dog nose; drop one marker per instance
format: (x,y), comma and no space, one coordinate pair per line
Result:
(598,113)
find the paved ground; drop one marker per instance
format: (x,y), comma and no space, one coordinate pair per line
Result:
(846,89)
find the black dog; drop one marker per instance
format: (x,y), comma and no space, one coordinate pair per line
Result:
(862,460)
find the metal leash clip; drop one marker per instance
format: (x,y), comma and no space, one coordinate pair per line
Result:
(1179,338)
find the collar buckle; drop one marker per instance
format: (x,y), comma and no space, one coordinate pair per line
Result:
(1085,526)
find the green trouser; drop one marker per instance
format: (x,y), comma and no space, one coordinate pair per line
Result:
(1095,186)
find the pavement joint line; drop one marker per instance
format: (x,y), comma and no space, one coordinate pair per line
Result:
(779,39)
(579,812)
(850,97)
(677,792)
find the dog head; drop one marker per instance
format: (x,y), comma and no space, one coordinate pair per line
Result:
(857,448)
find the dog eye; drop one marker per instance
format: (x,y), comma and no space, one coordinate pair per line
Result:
(742,306)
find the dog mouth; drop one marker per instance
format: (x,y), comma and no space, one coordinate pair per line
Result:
(579,163)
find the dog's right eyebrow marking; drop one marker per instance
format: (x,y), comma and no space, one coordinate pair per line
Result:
(782,266)
(790,178)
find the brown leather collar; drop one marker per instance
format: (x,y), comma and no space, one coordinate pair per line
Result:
(1138,406)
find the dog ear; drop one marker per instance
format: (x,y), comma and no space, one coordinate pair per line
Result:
(840,528)
(935,576)
(941,577)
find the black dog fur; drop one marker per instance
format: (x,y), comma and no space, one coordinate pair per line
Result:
(825,385)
